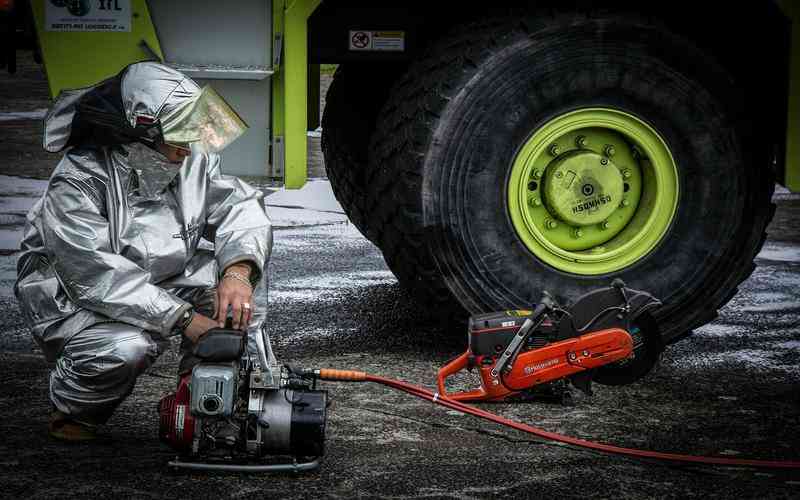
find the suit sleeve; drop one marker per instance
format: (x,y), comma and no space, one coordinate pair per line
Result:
(77,238)
(242,232)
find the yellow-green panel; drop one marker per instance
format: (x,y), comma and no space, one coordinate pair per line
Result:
(792,176)
(81,58)
(290,86)
(278,108)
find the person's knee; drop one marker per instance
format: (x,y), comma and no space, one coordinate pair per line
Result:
(134,354)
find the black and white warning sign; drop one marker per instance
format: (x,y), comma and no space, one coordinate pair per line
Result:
(387,41)
(87,15)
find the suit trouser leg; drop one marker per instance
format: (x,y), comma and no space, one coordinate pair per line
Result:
(98,368)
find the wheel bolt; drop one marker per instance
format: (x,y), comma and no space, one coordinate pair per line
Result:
(551,224)
(610,150)
(554,150)
(604,224)
(625,202)
(626,173)
(580,141)
(577,233)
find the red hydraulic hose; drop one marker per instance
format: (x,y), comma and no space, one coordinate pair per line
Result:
(420,392)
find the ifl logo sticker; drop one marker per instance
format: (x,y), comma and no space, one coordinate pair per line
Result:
(88,15)
(77,8)
(80,8)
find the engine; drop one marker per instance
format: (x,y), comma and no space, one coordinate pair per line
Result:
(231,413)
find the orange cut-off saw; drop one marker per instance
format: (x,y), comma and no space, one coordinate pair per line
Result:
(607,336)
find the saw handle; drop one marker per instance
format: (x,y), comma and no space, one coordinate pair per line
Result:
(545,305)
(451,368)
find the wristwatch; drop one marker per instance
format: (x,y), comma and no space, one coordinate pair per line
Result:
(183,322)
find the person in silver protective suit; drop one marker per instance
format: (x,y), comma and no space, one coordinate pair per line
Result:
(138,237)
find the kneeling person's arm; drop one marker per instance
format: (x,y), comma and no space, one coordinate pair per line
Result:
(77,238)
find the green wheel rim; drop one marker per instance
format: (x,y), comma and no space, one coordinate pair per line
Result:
(593,191)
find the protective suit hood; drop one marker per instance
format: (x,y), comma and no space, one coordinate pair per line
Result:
(125,111)
(153,90)
(118,110)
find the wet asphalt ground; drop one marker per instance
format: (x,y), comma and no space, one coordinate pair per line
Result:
(731,389)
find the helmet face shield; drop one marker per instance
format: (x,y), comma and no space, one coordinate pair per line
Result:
(206,121)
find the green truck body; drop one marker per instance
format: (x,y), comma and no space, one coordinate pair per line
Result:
(77,59)
(495,151)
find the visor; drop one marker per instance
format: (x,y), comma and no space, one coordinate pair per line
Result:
(205,120)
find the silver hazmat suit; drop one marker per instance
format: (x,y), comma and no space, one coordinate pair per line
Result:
(122,244)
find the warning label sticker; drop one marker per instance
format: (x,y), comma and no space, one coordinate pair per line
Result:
(386,41)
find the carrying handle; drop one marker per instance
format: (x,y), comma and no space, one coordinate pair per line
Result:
(452,368)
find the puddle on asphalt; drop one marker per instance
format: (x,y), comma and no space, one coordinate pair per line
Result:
(8,275)
(315,288)
(719,330)
(792,345)
(780,253)
(21,186)
(23,115)
(281,336)
(756,360)
(782,306)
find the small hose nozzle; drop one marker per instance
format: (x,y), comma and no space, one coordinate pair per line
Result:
(341,375)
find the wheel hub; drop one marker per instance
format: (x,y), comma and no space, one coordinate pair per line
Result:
(592,191)
(582,188)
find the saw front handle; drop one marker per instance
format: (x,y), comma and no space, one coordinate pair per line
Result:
(496,391)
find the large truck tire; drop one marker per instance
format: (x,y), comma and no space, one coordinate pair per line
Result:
(557,153)
(352,103)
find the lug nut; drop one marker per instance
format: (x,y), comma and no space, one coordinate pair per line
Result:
(580,141)
(625,202)
(551,224)
(577,233)
(603,161)
(554,150)
(604,224)
(585,352)
(626,173)
(536,173)
(559,174)
(536,202)
(610,150)
(572,356)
